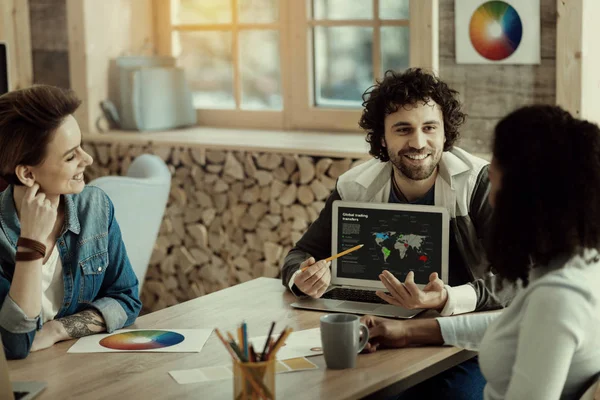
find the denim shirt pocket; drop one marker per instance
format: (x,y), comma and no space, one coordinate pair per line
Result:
(93,269)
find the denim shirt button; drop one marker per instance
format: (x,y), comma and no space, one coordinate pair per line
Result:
(99,269)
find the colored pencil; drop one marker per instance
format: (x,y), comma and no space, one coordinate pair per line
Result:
(280,342)
(240,335)
(266,347)
(238,351)
(230,337)
(253,355)
(254,380)
(276,343)
(245,353)
(227,346)
(338,255)
(245,338)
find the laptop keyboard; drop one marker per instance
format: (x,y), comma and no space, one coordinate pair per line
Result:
(20,395)
(364,296)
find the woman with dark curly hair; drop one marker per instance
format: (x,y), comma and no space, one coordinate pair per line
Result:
(545,236)
(412,120)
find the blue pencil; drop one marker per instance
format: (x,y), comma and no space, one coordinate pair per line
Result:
(245,336)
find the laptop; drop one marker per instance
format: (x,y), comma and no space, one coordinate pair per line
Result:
(396,237)
(16,390)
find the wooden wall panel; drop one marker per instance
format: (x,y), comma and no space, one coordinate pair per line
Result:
(49,25)
(591,62)
(492,91)
(15,31)
(99,32)
(568,55)
(50,42)
(424,42)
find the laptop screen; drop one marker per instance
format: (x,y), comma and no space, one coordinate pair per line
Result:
(3,69)
(397,240)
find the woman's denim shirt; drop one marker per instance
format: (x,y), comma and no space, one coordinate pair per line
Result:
(96,270)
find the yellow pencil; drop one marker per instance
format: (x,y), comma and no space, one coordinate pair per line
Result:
(338,255)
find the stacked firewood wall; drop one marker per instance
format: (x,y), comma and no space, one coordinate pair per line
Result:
(231,217)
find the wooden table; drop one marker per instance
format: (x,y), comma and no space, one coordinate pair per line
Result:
(145,376)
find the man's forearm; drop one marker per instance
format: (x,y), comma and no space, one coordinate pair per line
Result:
(82,324)
(291,264)
(424,331)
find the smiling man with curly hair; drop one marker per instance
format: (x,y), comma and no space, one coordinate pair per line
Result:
(412,120)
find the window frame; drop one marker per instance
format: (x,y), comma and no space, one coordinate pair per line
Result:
(297,81)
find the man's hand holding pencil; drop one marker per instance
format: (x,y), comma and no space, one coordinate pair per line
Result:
(314,278)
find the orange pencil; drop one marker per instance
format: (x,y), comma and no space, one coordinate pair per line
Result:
(227,346)
(241,339)
(338,255)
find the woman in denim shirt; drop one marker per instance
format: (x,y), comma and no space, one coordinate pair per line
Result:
(82,282)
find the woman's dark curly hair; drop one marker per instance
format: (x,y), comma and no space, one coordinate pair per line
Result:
(548,204)
(402,89)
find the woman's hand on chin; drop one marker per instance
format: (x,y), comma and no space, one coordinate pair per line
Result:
(38,214)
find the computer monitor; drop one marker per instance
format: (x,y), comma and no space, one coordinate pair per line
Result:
(4,82)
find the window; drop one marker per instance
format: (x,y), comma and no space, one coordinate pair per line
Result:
(292,64)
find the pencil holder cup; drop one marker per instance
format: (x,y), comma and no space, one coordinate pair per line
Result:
(254,380)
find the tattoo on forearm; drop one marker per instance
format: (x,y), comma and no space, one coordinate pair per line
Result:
(83,324)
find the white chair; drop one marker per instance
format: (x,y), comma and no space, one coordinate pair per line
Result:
(140,199)
(593,391)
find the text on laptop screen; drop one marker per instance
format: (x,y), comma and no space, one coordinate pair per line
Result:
(395,240)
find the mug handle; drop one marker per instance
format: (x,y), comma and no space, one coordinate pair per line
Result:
(364,334)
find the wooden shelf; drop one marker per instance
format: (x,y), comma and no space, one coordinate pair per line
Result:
(344,145)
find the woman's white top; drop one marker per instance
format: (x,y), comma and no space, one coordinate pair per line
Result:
(546,344)
(53,289)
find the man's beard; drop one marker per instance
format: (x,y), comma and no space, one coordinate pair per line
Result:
(415,173)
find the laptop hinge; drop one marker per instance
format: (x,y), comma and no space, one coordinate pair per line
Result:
(357,287)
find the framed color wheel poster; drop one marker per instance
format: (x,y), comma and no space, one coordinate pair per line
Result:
(497,31)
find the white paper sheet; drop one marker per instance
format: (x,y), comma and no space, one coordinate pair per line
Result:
(144,341)
(304,343)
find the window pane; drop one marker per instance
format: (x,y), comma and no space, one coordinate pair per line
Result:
(206,57)
(202,12)
(258,11)
(395,47)
(342,9)
(260,72)
(394,9)
(343,65)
